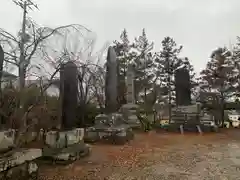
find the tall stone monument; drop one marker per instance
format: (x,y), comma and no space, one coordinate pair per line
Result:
(130,85)
(129,110)
(111,82)
(183,87)
(1,62)
(68,143)
(1,74)
(68,95)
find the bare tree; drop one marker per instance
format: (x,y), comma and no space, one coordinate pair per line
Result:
(78,46)
(22,48)
(98,87)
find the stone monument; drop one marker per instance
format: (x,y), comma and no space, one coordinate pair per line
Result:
(130,85)
(1,69)
(112,125)
(183,89)
(111,84)
(129,110)
(1,62)
(68,143)
(68,95)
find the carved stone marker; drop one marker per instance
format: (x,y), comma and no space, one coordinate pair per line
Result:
(130,85)
(67,144)
(1,62)
(68,94)
(129,110)
(111,91)
(1,74)
(183,89)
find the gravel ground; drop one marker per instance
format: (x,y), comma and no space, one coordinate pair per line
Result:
(158,156)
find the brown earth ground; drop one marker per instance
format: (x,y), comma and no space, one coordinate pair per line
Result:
(211,156)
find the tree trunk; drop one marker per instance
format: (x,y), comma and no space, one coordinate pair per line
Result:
(222,111)
(22,75)
(169,98)
(22,60)
(21,88)
(82,111)
(145,94)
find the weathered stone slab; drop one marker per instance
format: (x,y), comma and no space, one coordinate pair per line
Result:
(62,139)
(7,139)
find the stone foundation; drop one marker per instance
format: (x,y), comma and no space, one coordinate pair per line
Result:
(129,112)
(62,139)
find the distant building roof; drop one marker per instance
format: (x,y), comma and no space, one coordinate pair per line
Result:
(7,74)
(234,113)
(55,82)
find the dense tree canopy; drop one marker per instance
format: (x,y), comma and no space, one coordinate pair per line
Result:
(220,74)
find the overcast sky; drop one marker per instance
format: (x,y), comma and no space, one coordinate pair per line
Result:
(199,25)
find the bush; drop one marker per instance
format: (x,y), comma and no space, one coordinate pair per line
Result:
(86,115)
(146,124)
(45,110)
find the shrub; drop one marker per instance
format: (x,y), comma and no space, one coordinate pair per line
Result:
(44,110)
(87,114)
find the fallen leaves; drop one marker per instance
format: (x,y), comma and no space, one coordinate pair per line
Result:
(146,151)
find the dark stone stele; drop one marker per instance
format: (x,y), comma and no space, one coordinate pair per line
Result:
(183,87)
(2,120)
(68,94)
(1,61)
(111,91)
(1,58)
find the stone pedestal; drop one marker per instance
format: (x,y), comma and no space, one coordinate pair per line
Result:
(62,139)
(41,135)
(129,112)
(7,139)
(91,135)
(51,138)
(65,145)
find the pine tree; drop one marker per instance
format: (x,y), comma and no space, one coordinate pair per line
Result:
(236,59)
(124,57)
(143,62)
(166,63)
(220,73)
(220,76)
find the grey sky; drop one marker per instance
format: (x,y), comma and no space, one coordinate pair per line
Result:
(199,25)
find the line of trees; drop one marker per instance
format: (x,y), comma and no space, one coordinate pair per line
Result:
(154,72)
(42,50)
